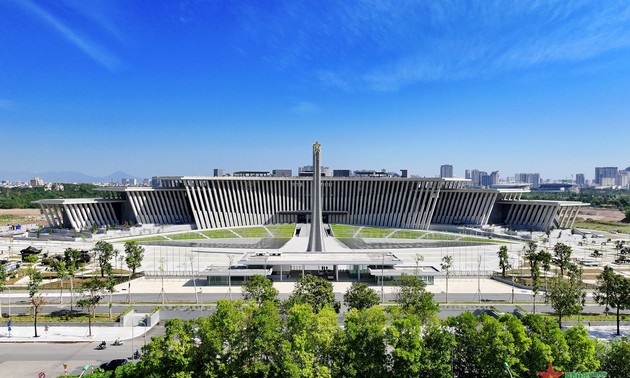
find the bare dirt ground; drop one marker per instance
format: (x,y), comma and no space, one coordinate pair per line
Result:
(602,214)
(15,216)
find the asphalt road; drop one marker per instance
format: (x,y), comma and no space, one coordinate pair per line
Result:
(28,359)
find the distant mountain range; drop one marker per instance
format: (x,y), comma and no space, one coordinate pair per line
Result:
(64,177)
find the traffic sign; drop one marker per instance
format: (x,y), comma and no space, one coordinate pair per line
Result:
(41,375)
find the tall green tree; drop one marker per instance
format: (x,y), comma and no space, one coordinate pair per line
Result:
(565,297)
(3,286)
(548,344)
(260,289)
(72,259)
(92,294)
(34,286)
(414,299)
(605,288)
(504,261)
(360,296)
(581,349)
(171,355)
(533,258)
(135,254)
(104,252)
(314,291)
(404,337)
(365,353)
(562,253)
(437,343)
(445,266)
(613,291)
(308,345)
(62,273)
(544,257)
(615,358)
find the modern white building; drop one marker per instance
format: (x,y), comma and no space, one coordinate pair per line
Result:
(214,202)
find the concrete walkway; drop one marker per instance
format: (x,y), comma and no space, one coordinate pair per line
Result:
(24,333)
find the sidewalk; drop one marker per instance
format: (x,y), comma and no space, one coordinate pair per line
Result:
(25,334)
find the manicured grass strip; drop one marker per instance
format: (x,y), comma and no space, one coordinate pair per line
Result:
(219,234)
(374,232)
(590,224)
(408,234)
(149,239)
(470,239)
(344,230)
(281,230)
(186,236)
(252,232)
(441,236)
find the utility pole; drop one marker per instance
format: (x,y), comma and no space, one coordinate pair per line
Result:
(162,292)
(192,274)
(383,279)
(479,277)
(231,258)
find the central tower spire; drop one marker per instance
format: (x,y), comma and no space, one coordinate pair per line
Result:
(316,238)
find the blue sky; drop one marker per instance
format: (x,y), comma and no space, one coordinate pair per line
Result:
(167,88)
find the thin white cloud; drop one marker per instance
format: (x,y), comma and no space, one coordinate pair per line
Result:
(305,107)
(98,12)
(384,45)
(91,49)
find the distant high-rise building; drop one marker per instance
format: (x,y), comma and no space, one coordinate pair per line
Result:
(404,173)
(36,182)
(282,173)
(467,174)
(475,177)
(124,181)
(494,178)
(132,182)
(146,182)
(531,178)
(605,172)
(484,179)
(623,179)
(218,172)
(446,170)
(580,180)
(341,173)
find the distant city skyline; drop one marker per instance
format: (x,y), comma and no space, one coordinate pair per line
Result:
(511,87)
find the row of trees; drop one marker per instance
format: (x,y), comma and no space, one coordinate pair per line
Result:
(303,336)
(567,295)
(93,290)
(22,198)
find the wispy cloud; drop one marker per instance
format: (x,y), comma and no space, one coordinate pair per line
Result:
(305,107)
(384,45)
(96,52)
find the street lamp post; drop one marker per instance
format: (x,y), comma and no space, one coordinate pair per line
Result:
(383,279)
(507,367)
(231,258)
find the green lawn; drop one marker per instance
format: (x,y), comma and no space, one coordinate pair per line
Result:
(471,239)
(374,232)
(148,239)
(252,232)
(409,234)
(442,236)
(602,225)
(187,236)
(219,234)
(344,230)
(281,230)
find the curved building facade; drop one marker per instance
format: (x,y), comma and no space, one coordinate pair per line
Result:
(215,202)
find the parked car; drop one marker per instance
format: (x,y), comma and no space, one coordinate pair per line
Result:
(113,364)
